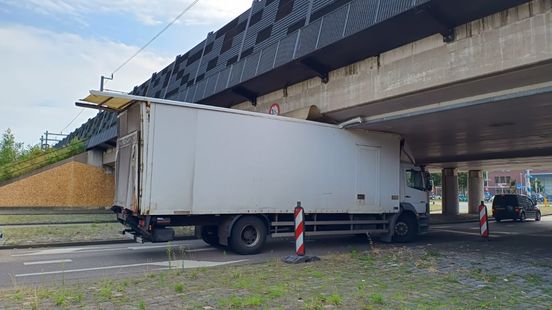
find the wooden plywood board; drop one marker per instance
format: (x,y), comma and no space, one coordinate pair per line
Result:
(73,184)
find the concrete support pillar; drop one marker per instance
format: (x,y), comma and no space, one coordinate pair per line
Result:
(475,190)
(95,158)
(450,191)
(109,156)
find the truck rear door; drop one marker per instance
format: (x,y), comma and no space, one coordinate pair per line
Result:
(126,191)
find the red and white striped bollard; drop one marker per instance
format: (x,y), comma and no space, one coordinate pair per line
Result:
(483,220)
(299,215)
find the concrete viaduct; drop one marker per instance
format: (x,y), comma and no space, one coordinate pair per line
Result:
(467,83)
(481,101)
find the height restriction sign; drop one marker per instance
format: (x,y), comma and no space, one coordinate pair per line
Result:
(274,109)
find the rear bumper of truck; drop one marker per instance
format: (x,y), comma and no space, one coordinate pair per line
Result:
(143,228)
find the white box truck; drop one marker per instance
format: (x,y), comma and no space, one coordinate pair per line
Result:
(237,176)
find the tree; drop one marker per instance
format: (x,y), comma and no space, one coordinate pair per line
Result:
(436,177)
(9,148)
(513,186)
(31,151)
(537,186)
(463,181)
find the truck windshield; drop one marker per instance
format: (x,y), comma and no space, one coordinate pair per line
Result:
(415,180)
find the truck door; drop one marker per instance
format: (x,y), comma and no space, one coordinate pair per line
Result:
(414,189)
(368,177)
(126,191)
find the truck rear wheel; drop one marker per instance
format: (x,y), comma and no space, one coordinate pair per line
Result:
(209,234)
(248,235)
(405,229)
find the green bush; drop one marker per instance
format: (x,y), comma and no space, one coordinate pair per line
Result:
(35,158)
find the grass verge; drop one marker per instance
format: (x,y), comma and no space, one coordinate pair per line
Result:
(545,210)
(394,278)
(29,235)
(55,218)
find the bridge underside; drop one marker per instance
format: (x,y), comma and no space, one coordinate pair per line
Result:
(500,121)
(436,16)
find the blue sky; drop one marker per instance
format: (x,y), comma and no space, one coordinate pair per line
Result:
(53,51)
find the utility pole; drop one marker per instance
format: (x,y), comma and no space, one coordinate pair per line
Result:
(47,140)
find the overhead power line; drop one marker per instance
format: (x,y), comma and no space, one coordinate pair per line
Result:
(155,36)
(71,122)
(139,51)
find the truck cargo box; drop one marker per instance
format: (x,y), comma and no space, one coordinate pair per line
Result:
(192,159)
(237,176)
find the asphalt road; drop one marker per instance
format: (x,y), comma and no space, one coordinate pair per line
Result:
(43,266)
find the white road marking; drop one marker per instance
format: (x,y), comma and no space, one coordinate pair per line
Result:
(71,250)
(99,250)
(177,264)
(78,270)
(491,232)
(200,250)
(457,232)
(44,262)
(193,263)
(145,247)
(52,252)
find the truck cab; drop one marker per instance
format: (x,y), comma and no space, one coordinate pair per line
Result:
(413,218)
(415,185)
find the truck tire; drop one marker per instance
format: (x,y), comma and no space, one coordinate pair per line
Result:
(248,235)
(209,234)
(405,229)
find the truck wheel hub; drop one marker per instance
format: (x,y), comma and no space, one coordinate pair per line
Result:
(249,235)
(401,228)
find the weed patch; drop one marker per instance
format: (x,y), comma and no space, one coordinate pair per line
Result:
(376,299)
(240,302)
(179,287)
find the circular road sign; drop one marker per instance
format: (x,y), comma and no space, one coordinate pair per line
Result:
(274,109)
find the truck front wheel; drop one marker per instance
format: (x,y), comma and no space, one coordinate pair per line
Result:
(405,229)
(248,235)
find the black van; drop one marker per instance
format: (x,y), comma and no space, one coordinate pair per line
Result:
(515,207)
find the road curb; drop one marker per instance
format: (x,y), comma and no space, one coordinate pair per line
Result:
(80,243)
(468,221)
(456,222)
